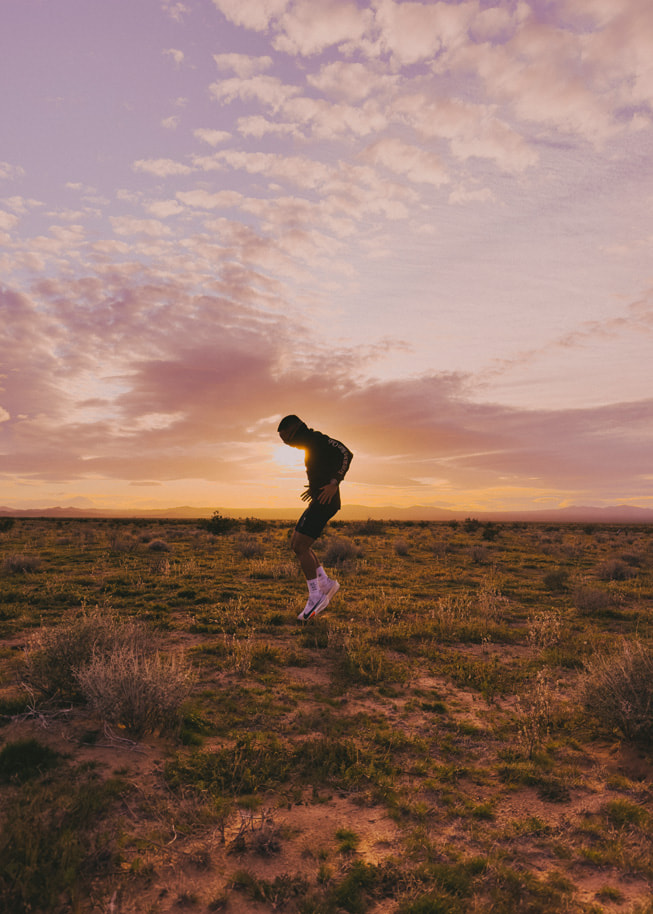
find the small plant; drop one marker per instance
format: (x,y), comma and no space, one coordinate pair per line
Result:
(249,547)
(158,545)
(53,656)
(615,570)
(536,709)
(25,759)
(21,564)
(401,546)
(348,840)
(592,601)
(218,525)
(471,524)
(544,629)
(370,527)
(141,692)
(340,550)
(556,581)
(618,690)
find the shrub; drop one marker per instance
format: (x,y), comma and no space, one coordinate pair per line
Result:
(471,524)
(6,523)
(370,528)
(556,581)
(545,629)
(340,550)
(590,601)
(249,547)
(401,546)
(219,524)
(255,525)
(615,570)
(21,564)
(51,847)
(158,545)
(618,690)
(54,655)
(25,759)
(141,692)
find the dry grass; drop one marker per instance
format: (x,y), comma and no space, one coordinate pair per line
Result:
(466,728)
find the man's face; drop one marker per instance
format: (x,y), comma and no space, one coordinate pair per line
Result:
(287,434)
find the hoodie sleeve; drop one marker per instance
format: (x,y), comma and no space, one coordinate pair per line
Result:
(342,458)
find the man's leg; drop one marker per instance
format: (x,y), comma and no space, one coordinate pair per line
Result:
(302,546)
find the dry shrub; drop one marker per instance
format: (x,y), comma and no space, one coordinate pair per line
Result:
(491,602)
(590,601)
(536,709)
(249,547)
(53,655)
(615,570)
(112,664)
(158,545)
(340,550)
(545,629)
(618,689)
(21,564)
(142,692)
(401,546)
(453,609)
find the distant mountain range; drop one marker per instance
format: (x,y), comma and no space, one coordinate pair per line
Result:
(615,514)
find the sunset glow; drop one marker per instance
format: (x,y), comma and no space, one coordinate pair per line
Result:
(424,227)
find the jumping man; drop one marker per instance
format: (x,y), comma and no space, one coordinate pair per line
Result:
(327,461)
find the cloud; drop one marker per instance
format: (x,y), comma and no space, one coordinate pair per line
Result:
(212,137)
(352,81)
(175,9)
(177,55)
(9,172)
(268,90)
(161,168)
(412,162)
(170,123)
(162,209)
(128,225)
(473,130)
(307,28)
(139,382)
(252,14)
(205,200)
(243,65)
(413,32)
(7,221)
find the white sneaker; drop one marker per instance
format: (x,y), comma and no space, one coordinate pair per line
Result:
(314,605)
(329,588)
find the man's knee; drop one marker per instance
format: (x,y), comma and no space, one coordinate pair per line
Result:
(300,543)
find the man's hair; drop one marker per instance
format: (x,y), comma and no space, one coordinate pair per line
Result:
(289,422)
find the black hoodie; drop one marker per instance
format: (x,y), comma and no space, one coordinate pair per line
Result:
(325,459)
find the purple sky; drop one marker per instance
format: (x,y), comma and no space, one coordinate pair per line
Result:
(425,227)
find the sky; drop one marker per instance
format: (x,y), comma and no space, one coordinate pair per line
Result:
(426,228)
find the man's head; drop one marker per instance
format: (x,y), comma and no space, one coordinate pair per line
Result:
(288,428)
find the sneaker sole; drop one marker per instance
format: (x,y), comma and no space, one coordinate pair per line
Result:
(322,603)
(326,599)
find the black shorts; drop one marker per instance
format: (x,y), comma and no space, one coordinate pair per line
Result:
(315,517)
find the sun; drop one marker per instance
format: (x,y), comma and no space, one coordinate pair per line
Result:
(288,457)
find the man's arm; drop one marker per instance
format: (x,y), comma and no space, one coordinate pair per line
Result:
(342,461)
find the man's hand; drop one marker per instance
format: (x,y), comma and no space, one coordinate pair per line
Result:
(327,493)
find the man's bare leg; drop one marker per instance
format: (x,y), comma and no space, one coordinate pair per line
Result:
(302,546)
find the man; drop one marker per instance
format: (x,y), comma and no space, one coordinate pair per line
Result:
(327,461)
